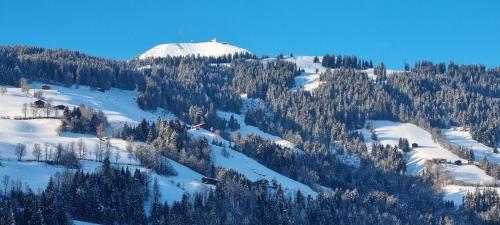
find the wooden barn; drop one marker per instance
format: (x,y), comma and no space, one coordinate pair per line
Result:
(39,104)
(60,107)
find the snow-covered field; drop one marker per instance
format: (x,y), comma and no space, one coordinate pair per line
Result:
(309,79)
(118,105)
(208,48)
(461,137)
(389,132)
(469,174)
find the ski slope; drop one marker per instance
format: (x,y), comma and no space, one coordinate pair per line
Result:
(461,137)
(209,48)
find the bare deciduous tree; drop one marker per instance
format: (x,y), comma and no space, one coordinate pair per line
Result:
(38,94)
(117,155)
(82,149)
(25,110)
(46,151)
(20,151)
(37,152)
(99,150)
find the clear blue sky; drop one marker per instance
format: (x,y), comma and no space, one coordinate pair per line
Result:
(389,31)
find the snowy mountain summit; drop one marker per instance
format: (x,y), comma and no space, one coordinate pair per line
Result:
(208,48)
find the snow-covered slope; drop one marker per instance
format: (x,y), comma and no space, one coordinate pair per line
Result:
(209,48)
(118,105)
(389,132)
(309,79)
(249,167)
(461,137)
(455,193)
(246,130)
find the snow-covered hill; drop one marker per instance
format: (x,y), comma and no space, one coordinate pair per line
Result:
(389,132)
(120,107)
(208,48)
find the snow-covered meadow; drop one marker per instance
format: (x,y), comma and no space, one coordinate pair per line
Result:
(389,132)
(461,137)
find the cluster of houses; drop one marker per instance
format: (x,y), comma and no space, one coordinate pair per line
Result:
(456,162)
(445,161)
(261,183)
(42,104)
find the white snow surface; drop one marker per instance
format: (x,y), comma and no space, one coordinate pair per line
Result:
(309,79)
(455,193)
(469,174)
(119,106)
(461,137)
(209,48)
